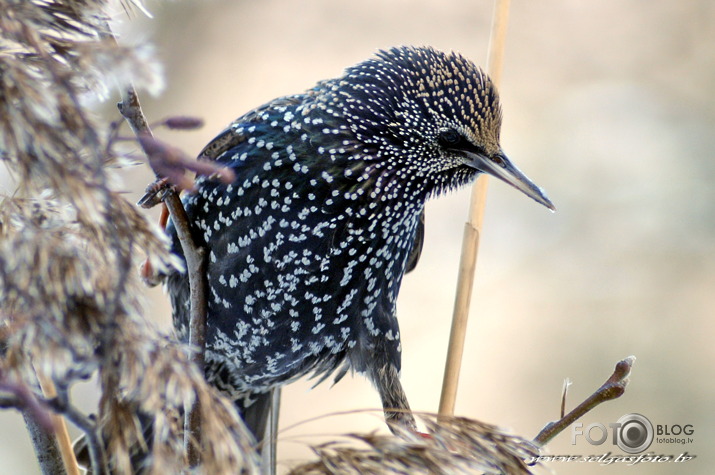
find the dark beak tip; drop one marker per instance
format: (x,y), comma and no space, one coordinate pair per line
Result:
(550,205)
(546,202)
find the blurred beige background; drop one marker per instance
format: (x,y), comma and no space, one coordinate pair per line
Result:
(608,105)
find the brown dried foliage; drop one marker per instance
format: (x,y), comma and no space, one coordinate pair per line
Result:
(70,244)
(452,445)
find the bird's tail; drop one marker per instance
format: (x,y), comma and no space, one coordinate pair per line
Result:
(256,412)
(261,418)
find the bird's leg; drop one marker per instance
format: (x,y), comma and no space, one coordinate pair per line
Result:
(394,400)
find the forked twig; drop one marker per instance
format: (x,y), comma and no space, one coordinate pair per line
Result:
(61,405)
(613,388)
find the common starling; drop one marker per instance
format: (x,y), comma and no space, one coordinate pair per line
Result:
(307,248)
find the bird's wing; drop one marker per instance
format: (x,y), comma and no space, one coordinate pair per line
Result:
(224,141)
(229,137)
(416,250)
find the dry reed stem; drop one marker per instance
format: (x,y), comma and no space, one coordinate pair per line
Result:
(472,234)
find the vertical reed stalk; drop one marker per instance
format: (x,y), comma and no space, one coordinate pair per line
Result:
(472,232)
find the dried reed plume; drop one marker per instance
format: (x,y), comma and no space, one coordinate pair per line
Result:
(69,248)
(453,445)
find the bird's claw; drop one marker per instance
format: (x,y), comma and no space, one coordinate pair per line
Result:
(154,193)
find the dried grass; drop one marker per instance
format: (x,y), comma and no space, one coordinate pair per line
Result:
(70,297)
(453,445)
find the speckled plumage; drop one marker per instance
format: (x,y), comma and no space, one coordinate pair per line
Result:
(308,247)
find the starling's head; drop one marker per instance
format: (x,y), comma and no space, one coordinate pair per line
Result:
(434,113)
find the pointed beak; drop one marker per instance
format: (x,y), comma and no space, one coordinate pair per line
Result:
(502,168)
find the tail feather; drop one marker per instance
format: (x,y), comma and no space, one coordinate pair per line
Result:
(256,414)
(261,418)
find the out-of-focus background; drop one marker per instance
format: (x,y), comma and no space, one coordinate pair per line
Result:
(609,105)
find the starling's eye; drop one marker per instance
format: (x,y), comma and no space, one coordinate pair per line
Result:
(498,160)
(449,138)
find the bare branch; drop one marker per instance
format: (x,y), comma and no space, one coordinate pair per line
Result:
(86,424)
(19,396)
(172,164)
(46,447)
(613,388)
(130,108)
(198,284)
(38,422)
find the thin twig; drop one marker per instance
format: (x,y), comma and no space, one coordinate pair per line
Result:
(20,397)
(86,424)
(130,108)
(564,393)
(613,388)
(39,424)
(472,233)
